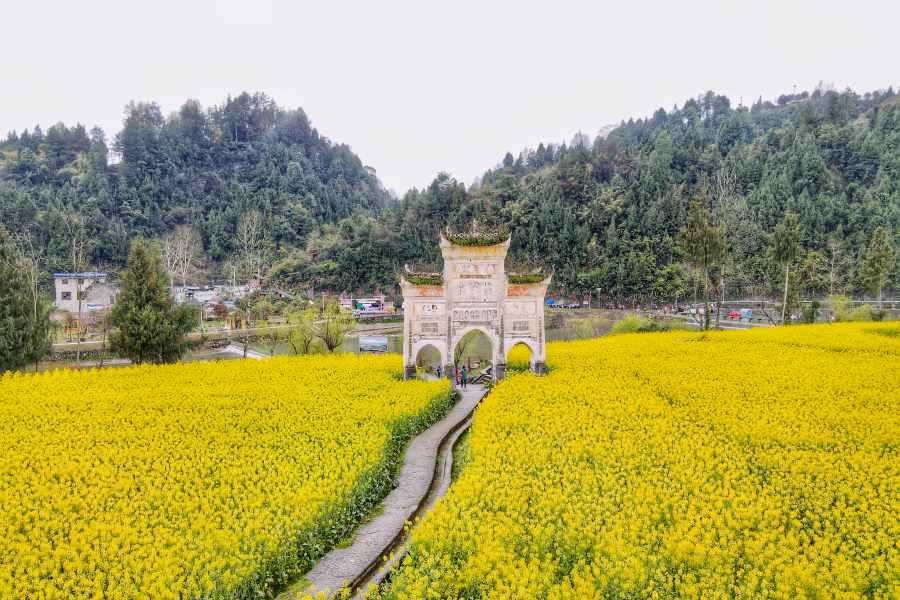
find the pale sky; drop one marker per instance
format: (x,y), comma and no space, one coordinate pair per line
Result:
(416,88)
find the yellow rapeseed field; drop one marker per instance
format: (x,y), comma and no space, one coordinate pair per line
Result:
(213,480)
(762,464)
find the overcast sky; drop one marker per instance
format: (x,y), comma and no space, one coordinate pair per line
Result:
(421,87)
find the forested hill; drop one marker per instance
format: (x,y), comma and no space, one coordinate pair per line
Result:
(204,168)
(602,212)
(605,212)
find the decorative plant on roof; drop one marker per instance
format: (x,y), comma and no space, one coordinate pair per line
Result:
(527,270)
(526,278)
(424,275)
(478,236)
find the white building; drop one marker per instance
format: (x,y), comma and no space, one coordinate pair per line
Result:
(95,293)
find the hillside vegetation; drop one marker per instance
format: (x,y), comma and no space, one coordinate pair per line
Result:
(602,212)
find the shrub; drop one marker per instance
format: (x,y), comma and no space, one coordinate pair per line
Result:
(639,324)
(866,313)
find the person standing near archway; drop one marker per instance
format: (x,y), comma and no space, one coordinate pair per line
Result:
(465,375)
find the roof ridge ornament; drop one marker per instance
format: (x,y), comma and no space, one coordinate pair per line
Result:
(476,236)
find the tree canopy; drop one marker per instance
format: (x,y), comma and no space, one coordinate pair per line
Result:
(603,213)
(24,317)
(150,327)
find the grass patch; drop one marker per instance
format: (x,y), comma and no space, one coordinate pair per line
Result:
(639,324)
(460,456)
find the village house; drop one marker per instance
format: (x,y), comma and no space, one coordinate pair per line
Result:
(95,292)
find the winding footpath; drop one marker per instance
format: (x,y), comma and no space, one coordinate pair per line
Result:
(422,481)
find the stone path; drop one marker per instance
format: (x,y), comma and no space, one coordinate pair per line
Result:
(418,476)
(251,353)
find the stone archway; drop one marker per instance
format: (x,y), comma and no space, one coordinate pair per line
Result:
(462,334)
(439,345)
(429,356)
(527,345)
(474,292)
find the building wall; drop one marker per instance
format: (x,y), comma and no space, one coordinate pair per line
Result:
(95,291)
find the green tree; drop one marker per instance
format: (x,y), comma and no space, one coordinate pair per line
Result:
(302,332)
(24,318)
(334,326)
(877,266)
(702,243)
(669,283)
(467,340)
(150,327)
(784,251)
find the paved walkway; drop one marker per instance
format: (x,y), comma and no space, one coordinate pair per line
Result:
(251,353)
(417,475)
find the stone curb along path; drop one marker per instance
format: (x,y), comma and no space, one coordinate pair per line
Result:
(417,475)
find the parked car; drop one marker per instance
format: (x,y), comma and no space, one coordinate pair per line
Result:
(573,305)
(734,314)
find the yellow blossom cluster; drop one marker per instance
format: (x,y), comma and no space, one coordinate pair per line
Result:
(762,464)
(217,480)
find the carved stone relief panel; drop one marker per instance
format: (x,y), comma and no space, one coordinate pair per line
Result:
(474,291)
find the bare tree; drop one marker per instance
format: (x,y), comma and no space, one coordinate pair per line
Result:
(170,258)
(245,315)
(251,241)
(818,96)
(581,139)
(33,263)
(181,250)
(728,212)
(78,257)
(604,132)
(837,264)
(189,249)
(271,335)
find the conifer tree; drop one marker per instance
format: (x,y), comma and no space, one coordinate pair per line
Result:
(150,327)
(702,243)
(878,263)
(24,322)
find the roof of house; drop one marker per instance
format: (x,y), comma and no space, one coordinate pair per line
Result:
(90,274)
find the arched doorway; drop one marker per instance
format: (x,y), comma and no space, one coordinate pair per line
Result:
(429,358)
(520,358)
(476,351)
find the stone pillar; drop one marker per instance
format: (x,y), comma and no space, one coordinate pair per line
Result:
(409,372)
(500,371)
(539,368)
(450,374)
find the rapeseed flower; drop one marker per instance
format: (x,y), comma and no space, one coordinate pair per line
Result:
(194,480)
(760,464)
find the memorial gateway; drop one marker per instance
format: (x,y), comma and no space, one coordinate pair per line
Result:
(474,292)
